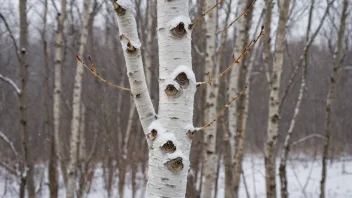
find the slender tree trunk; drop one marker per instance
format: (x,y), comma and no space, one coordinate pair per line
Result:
(28,170)
(82,155)
(243,101)
(304,58)
(77,91)
(52,171)
(233,83)
(209,151)
(331,94)
(274,102)
(150,40)
(61,17)
(168,158)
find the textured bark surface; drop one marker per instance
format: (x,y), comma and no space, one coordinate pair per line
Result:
(244,73)
(76,105)
(274,102)
(209,150)
(234,78)
(28,168)
(331,94)
(61,17)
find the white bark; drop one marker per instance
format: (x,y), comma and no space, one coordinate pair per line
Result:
(209,155)
(13,84)
(169,142)
(77,90)
(57,85)
(127,26)
(274,102)
(128,129)
(234,75)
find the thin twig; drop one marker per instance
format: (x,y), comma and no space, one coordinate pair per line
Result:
(246,50)
(10,143)
(205,13)
(13,84)
(243,14)
(93,71)
(307,137)
(9,169)
(11,36)
(223,109)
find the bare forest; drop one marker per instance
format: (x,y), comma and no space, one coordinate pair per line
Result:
(175,98)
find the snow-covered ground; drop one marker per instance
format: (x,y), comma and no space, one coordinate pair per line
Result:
(303,181)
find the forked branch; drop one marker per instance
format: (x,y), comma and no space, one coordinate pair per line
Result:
(205,13)
(94,72)
(246,50)
(243,14)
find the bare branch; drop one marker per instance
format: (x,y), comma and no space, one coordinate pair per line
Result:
(205,13)
(306,138)
(222,110)
(13,84)
(243,14)
(9,169)
(93,71)
(10,143)
(246,50)
(11,36)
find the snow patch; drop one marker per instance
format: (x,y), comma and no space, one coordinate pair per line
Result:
(177,20)
(184,69)
(157,126)
(191,128)
(128,5)
(161,139)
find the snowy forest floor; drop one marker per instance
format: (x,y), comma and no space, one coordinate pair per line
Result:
(303,180)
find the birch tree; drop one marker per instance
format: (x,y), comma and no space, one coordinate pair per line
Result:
(61,17)
(209,151)
(28,166)
(243,79)
(303,62)
(76,104)
(337,59)
(274,100)
(52,170)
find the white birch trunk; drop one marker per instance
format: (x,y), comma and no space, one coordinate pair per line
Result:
(209,155)
(168,138)
(234,75)
(274,102)
(57,85)
(77,90)
(337,59)
(128,129)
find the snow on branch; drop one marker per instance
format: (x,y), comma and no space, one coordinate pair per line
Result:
(220,112)
(246,50)
(13,84)
(243,14)
(205,13)
(93,70)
